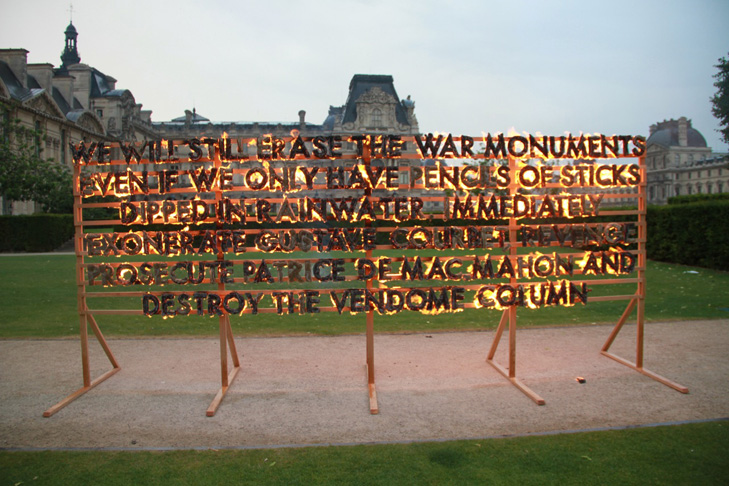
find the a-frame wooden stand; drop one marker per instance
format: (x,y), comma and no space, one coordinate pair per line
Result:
(636,301)
(510,371)
(86,318)
(226,377)
(638,365)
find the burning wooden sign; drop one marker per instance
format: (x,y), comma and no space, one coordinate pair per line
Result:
(366,224)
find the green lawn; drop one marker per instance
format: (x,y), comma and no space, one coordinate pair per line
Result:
(684,454)
(40,301)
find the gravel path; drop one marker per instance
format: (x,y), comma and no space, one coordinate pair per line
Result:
(312,390)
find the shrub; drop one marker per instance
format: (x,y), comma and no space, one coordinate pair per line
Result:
(694,198)
(690,234)
(34,233)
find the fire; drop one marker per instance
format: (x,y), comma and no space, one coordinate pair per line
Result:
(534,295)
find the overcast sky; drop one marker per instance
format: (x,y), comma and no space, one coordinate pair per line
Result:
(612,67)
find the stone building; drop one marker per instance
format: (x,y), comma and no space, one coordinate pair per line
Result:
(680,163)
(76,102)
(372,107)
(70,103)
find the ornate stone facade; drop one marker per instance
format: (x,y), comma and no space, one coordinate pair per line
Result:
(679,163)
(70,103)
(372,107)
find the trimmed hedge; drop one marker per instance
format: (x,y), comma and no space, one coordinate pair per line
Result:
(694,198)
(690,234)
(34,233)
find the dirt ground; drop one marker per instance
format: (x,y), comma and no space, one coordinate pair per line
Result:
(312,390)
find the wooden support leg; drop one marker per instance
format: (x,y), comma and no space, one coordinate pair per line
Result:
(619,325)
(638,365)
(73,396)
(87,318)
(510,374)
(497,336)
(374,408)
(226,377)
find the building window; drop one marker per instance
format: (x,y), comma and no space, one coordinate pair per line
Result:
(37,136)
(63,147)
(4,135)
(376,118)
(100,113)
(678,190)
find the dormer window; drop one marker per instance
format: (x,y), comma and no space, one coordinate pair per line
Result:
(376,118)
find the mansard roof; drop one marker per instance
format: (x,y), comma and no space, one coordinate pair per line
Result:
(86,119)
(100,84)
(60,100)
(666,134)
(12,84)
(360,84)
(194,118)
(33,83)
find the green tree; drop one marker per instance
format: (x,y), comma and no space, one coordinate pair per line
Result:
(24,174)
(720,100)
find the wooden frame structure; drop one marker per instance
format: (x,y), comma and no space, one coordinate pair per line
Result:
(86,317)
(635,301)
(229,368)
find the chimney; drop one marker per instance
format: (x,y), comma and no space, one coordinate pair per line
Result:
(146,116)
(43,73)
(652,129)
(17,59)
(683,125)
(188,118)
(82,83)
(64,83)
(302,119)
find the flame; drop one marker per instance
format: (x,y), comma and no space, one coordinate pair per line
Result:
(299,177)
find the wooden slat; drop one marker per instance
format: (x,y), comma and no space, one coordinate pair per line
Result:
(55,408)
